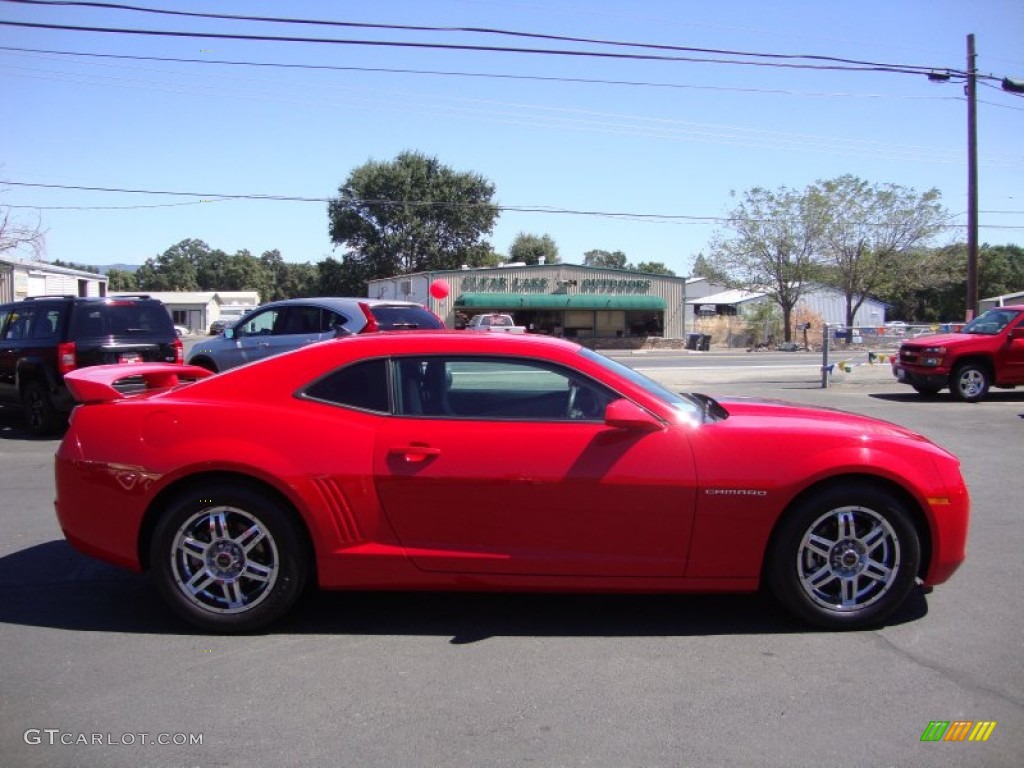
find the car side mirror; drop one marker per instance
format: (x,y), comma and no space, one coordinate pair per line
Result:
(625,414)
(228,333)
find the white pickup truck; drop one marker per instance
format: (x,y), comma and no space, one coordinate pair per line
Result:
(496,323)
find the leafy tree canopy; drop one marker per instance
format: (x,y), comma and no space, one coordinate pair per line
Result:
(618,260)
(533,249)
(868,231)
(192,265)
(411,214)
(609,259)
(653,267)
(770,244)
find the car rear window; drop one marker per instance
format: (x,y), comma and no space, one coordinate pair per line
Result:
(400,318)
(363,385)
(121,318)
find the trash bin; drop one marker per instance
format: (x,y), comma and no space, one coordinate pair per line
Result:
(705,343)
(693,341)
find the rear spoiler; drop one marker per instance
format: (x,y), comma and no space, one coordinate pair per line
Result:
(95,384)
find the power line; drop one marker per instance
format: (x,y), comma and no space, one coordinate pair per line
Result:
(858,63)
(867,67)
(486,75)
(543,209)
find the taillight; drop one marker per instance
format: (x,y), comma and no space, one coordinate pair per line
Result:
(179,352)
(371,322)
(66,358)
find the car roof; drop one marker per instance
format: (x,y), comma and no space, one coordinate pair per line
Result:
(91,299)
(455,342)
(337,302)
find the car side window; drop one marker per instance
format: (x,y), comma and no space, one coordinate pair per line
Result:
(46,324)
(5,313)
(497,388)
(259,325)
(363,385)
(331,321)
(20,325)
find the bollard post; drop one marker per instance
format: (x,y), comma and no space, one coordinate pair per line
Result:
(824,356)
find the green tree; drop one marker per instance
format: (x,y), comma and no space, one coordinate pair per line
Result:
(347,277)
(121,281)
(702,268)
(653,268)
(769,245)
(290,281)
(174,269)
(608,259)
(868,231)
(1000,269)
(533,249)
(412,214)
(935,285)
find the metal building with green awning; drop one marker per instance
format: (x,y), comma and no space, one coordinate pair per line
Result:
(558,301)
(572,300)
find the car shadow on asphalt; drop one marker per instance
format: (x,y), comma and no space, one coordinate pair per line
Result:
(992,396)
(12,427)
(52,585)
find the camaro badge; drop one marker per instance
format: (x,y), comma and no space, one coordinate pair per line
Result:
(734,492)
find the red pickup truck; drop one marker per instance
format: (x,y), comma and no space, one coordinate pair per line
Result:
(987,352)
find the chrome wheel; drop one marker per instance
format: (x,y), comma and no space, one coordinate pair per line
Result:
(970,383)
(224,560)
(848,559)
(844,557)
(230,557)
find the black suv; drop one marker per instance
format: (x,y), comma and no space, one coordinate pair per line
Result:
(44,337)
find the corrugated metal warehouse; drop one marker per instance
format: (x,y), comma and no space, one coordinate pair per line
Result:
(569,300)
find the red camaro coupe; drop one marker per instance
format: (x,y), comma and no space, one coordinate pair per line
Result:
(446,460)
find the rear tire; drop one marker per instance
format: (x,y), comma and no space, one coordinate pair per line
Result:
(205,362)
(227,558)
(41,416)
(845,558)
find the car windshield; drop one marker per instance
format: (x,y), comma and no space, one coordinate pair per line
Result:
(687,404)
(992,322)
(404,318)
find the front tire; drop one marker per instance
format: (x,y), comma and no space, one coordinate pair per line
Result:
(970,382)
(228,559)
(845,558)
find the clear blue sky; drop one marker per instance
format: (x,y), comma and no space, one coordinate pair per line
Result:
(676,149)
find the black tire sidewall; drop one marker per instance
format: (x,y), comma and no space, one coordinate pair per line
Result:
(291,550)
(784,581)
(49,417)
(958,374)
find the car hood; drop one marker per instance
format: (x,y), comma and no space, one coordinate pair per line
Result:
(777,415)
(941,340)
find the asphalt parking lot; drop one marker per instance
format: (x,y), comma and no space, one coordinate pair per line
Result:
(94,672)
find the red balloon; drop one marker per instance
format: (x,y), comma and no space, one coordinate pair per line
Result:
(439,289)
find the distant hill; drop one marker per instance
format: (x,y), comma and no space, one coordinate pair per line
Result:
(105,268)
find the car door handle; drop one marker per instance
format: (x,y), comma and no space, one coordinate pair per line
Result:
(415,453)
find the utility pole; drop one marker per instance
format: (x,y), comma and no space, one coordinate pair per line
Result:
(972,181)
